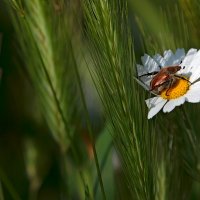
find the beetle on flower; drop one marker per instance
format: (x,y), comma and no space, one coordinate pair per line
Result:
(173,78)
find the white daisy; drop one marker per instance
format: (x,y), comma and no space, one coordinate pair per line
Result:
(186,88)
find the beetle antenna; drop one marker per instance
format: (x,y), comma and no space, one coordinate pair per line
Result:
(148,74)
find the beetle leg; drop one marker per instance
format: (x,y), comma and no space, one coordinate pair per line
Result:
(170,85)
(181,77)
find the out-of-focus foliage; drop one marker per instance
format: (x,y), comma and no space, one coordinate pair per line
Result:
(37,23)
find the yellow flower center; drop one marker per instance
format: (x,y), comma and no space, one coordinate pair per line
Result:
(177,90)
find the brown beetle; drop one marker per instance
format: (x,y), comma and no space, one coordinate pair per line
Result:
(164,79)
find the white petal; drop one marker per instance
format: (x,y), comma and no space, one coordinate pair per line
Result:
(152,101)
(171,104)
(168,57)
(178,57)
(187,61)
(141,70)
(195,67)
(159,59)
(193,95)
(149,64)
(155,106)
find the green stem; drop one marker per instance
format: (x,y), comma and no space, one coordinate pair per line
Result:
(102,165)
(89,128)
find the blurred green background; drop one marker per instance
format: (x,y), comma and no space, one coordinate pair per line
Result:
(31,162)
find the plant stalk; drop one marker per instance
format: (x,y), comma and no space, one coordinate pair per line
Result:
(89,129)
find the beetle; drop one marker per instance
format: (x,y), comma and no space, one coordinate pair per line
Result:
(164,79)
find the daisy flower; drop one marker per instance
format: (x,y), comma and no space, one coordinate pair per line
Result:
(186,87)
